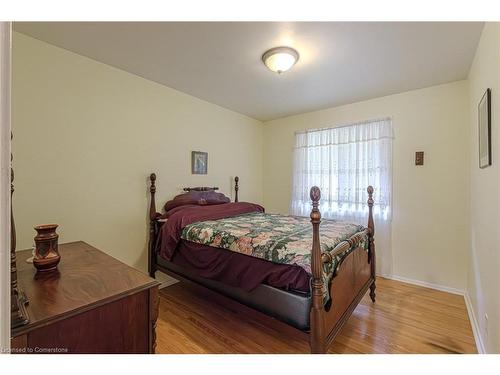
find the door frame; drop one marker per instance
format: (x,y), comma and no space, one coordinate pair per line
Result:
(5,134)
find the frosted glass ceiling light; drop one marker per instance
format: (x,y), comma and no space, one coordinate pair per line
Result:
(280,59)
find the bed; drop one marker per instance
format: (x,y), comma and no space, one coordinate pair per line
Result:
(276,264)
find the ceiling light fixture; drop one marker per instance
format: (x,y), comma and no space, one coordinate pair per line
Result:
(280,59)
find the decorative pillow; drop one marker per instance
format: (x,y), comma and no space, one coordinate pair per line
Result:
(200,198)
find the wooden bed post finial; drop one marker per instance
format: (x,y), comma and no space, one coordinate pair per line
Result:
(371,243)
(152,190)
(371,225)
(152,227)
(236,188)
(317,317)
(152,178)
(316,262)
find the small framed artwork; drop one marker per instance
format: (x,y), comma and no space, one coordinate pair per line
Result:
(484,118)
(199,162)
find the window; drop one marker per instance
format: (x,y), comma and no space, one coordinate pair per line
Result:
(343,161)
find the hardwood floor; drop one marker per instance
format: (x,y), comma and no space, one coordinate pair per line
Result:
(405,319)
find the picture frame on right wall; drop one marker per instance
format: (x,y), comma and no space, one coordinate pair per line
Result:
(484,124)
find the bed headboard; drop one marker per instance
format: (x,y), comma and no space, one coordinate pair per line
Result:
(152,190)
(200,188)
(154,215)
(207,188)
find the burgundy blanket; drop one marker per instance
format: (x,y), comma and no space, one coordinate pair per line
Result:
(238,269)
(231,268)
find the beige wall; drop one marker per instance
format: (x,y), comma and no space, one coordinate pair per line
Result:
(5,66)
(86,137)
(484,265)
(430,211)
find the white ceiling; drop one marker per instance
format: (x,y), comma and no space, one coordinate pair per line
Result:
(221,62)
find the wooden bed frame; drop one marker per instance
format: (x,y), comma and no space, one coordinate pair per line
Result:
(354,275)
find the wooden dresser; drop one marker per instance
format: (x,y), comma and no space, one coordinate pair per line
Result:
(92,304)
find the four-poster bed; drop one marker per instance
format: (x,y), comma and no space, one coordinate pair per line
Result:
(340,270)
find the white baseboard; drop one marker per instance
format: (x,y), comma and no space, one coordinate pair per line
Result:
(164,284)
(425,284)
(470,311)
(475,325)
(165,280)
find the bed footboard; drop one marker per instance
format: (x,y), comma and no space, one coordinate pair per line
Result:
(353,277)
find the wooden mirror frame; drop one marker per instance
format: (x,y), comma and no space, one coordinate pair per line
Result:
(18,300)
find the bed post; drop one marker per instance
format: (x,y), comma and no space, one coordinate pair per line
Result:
(371,243)
(152,227)
(236,188)
(318,338)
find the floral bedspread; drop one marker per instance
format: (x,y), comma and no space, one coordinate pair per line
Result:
(276,238)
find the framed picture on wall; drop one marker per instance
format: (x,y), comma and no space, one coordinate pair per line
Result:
(199,162)
(484,118)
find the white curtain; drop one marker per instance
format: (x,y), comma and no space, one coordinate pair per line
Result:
(342,162)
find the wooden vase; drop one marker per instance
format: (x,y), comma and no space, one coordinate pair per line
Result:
(46,248)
